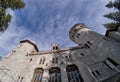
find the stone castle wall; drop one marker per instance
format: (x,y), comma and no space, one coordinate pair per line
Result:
(96,56)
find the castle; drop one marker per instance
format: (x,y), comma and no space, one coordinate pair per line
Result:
(95,59)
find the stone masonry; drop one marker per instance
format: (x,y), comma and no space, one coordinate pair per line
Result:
(95,59)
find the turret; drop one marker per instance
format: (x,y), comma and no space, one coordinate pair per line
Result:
(81,34)
(113,34)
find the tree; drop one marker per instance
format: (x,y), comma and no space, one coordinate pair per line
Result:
(6,18)
(115,16)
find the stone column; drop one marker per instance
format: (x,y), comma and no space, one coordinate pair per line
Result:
(64,77)
(45,77)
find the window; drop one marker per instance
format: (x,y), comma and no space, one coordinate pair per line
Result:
(87,46)
(42,60)
(112,61)
(105,38)
(37,76)
(55,46)
(68,58)
(101,70)
(54,60)
(82,54)
(78,35)
(73,74)
(55,75)
(18,79)
(30,60)
(89,42)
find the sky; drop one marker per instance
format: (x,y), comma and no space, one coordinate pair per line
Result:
(48,21)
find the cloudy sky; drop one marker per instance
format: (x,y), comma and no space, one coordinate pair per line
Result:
(49,21)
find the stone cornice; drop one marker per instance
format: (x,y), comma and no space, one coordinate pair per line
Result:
(58,51)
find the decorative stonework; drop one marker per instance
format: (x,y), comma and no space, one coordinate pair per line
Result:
(58,51)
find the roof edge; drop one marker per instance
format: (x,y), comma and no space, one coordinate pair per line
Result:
(31,42)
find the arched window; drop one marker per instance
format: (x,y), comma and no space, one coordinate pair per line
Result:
(55,75)
(37,76)
(73,74)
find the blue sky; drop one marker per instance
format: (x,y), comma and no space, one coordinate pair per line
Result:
(49,21)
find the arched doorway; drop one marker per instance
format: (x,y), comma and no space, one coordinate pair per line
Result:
(73,74)
(37,76)
(55,74)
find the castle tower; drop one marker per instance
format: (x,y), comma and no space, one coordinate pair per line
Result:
(104,50)
(96,58)
(81,34)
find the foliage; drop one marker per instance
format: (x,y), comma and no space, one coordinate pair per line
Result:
(115,16)
(6,18)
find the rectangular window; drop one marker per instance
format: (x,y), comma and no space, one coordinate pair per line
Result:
(108,65)
(112,61)
(54,60)
(43,61)
(40,61)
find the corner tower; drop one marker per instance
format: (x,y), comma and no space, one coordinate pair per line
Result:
(104,51)
(81,34)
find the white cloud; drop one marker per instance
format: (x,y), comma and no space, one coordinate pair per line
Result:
(11,37)
(49,21)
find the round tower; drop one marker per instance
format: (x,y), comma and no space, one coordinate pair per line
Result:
(81,34)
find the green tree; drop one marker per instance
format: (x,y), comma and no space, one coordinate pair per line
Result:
(115,16)
(6,18)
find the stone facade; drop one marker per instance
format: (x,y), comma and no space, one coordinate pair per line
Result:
(95,59)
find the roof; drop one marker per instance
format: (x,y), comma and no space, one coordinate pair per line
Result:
(30,43)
